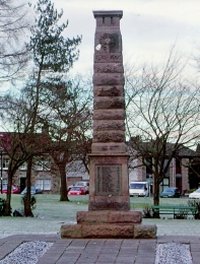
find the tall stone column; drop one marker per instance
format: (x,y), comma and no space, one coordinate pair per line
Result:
(109,214)
(109,158)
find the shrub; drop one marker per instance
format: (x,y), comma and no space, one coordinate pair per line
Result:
(147,211)
(2,206)
(196,204)
(32,202)
(182,214)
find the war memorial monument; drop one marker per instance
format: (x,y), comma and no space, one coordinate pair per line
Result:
(109,214)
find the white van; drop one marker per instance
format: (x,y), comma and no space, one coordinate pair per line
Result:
(139,188)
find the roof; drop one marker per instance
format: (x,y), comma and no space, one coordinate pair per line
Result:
(169,148)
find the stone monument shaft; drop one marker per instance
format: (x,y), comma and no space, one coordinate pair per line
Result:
(109,214)
(108,161)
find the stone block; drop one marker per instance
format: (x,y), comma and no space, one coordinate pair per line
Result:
(101,125)
(109,57)
(109,136)
(108,231)
(109,114)
(116,102)
(108,79)
(108,67)
(110,90)
(71,231)
(145,231)
(110,217)
(109,147)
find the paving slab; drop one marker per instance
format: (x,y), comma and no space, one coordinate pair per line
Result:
(99,251)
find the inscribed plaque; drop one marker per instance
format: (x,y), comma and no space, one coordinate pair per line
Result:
(108,179)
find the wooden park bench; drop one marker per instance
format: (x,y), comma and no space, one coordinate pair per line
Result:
(178,211)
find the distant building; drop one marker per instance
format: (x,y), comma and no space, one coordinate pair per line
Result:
(184,171)
(178,175)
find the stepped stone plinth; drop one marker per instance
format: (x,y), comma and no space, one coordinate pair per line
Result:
(109,214)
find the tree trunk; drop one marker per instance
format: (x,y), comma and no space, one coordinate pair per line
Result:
(156,197)
(8,209)
(11,172)
(27,196)
(63,187)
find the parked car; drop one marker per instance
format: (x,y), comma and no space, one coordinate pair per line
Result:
(195,194)
(34,190)
(170,192)
(15,189)
(84,184)
(76,190)
(139,189)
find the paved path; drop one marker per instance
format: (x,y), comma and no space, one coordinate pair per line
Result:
(99,251)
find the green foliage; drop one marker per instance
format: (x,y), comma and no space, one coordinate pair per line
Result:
(3,207)
(195,203)
(51,50)
(182,214)
(147,211)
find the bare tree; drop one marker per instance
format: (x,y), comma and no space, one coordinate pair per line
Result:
(162,118)
(17,142)
(68,119)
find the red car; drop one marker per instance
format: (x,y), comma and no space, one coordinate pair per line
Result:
(15,189)
(75,190)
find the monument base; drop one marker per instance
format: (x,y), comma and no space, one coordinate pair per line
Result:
(108,224)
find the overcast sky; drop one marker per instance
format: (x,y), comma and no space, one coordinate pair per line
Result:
(149,28)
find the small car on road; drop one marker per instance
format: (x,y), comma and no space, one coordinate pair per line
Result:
(195,194)
(170,192)
(14,190)
(77,190)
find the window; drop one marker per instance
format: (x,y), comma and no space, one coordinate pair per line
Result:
(43,184)
(23,166)
(42,165)
(178,166)
(5,163)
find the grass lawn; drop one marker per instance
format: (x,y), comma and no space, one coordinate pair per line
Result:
(49,207)
(50,213)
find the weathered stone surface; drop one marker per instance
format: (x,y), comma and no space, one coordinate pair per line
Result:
(110,90)
(115,57)
(109,103)
(109,114)
(99,217)
(108,67)
(108,79)
(108,204)
(109,136)
(108,148)
(104,230)
(114,16)
(100,125)
(145,231)
(71,231)
(108,231)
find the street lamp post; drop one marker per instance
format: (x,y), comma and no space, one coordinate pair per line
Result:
(1,155)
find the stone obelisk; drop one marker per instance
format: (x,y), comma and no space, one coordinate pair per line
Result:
(109,158)
(109,214)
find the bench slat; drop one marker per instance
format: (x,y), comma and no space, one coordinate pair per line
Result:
(174,209)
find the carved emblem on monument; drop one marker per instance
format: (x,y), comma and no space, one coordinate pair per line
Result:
(109,43)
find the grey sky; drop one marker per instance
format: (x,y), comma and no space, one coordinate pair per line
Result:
(149,27)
